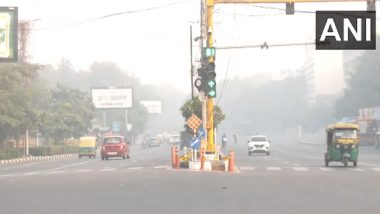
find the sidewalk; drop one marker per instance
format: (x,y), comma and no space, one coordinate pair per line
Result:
(37,158)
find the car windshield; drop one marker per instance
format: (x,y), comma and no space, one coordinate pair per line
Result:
(258,139)
(112,140)
(345,133)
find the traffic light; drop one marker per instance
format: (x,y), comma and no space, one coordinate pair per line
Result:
(208,52)
(210,82)
(290,8)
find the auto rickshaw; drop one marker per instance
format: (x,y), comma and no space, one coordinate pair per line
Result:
(342,143)
(87,147)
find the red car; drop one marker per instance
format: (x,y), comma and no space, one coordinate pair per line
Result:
(114,146)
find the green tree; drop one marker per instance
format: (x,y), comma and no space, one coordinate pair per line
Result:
(69,114)
(194,106)
(21,94)
(363,88)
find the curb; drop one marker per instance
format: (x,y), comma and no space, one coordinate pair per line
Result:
(309,143)
(38,158)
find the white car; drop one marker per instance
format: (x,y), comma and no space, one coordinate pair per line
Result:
(258,144)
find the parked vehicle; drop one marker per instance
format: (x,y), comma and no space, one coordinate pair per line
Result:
(87,147)
(114,146)
(259,144)
(175,139)
(152,141)
(342,143)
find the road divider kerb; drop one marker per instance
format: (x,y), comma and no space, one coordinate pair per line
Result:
(312,143)
(37,158)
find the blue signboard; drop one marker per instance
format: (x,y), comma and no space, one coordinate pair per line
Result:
(195,142)
(202,132)
(116,126)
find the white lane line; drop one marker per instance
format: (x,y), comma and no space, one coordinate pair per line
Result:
(161,167)
(108,169)
(32,173)
(324,169)
(376,169)
(18,166)
(356,170)
(7,175)
(247,168)
(70,165)
(274,168)
(135,168)
(300,169)
(56,172)
(82,170)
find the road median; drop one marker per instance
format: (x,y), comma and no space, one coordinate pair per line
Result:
(37,158)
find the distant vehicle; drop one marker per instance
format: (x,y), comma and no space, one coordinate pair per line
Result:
(258,144)
(87,147)
(175,139)
(151,142)
(114,146)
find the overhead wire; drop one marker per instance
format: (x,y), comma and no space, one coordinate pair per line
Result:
(228,69)
(110,15)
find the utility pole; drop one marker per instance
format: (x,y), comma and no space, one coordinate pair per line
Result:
(210,101)
(191,62)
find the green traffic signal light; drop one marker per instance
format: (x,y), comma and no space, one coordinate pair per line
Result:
(211,88)
(208,52)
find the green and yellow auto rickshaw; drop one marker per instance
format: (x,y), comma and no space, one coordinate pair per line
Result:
(342,143)
(87,147)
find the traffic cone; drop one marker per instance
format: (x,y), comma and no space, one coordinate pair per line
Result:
(231,161)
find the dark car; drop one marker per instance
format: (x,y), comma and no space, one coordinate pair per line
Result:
(114,146)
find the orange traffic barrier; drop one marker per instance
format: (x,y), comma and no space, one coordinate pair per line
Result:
(203,158)
(174,156)
(176,159)
(231,161)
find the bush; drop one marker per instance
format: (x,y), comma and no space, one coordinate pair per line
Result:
(52,150)
(10,154)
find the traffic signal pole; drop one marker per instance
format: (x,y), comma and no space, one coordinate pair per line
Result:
(210,101)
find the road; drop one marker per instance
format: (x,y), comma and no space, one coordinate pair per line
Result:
(291,180)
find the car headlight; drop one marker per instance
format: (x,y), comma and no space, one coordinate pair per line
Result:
(337,146)
(353,146)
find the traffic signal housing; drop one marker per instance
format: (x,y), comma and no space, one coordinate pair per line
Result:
(210,81)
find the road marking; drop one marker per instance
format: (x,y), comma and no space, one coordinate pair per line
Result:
(356,170)
(108,169)
(70,165)
(326,169)
(274,168)
(56,172)
(161,167)
(82,170)
(299,169)
(376,169)
(7,175)
(248,168)
(135,168)
(32,173)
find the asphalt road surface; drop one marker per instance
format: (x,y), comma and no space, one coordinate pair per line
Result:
(292,179)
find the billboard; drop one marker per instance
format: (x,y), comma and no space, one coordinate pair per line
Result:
(8,34)
(112,97)
(153,106)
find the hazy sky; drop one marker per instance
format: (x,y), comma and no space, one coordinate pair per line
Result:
(154,45)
